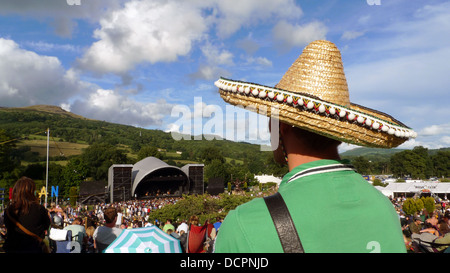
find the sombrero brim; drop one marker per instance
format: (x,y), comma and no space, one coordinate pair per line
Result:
(354,124)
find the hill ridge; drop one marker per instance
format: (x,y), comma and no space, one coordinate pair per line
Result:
(49,109)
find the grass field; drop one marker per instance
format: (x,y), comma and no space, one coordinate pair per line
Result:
(56,148)
(38,144)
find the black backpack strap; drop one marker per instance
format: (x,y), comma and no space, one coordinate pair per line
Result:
(283,223)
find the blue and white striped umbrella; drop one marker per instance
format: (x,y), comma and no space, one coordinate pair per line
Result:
(144,240)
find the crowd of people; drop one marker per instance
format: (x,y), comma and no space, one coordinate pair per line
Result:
(130,213)
(95,227)
(424,231)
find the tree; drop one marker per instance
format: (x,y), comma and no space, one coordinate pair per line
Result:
(273,167)
(241,172)
(362,165)
(7,161)
(55,175)
(429,204)
(73,174)
(10,169)
(377,182)
(254,163)
(212,153)
(35,171)
(412,206)
(147,151)
(423,153)
(419,204)
(216,168)
(441,164)
(99,157)
(73,195)
(408,163)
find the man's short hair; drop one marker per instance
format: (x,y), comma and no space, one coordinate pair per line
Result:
(110,214)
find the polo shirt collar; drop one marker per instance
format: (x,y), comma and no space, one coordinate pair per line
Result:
(317,167)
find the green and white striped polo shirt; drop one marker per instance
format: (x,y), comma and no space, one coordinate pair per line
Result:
(334,210)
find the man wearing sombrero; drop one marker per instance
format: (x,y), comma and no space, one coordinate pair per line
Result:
(322,204)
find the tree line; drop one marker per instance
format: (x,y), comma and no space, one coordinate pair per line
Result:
(417,163)
(94,162)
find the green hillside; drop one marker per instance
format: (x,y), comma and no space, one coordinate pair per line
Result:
(71,133)
(373,154)
(91,146)
(83,149)
(379,154)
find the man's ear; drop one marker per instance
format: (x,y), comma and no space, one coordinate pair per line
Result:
(281,125)
(276,136)
(285,129)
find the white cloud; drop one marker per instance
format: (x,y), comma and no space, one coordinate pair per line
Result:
(410,144)
(47,47)
(111,106)
(200,109)
(434,144)
(346,147)
(403,72)
(249,45)
(162,31)
(209,72)
(243,124)
(401,68)
(216,56)
(431,137)
(172,128)
(413,76)
(63,16)
(435,130)
(65,106)
(420,31)
(350,35)
(446,140)
(27,78)
(201,118)
(262,61)
(229,122)
(205,110)
(364,19)
(144,31)
(288,35)
(232,15)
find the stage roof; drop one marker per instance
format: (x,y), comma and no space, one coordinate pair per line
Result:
(149,165)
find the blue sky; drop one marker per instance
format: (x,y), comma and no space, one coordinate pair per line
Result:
(147,63)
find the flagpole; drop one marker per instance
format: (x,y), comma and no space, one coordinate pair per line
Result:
(46,176)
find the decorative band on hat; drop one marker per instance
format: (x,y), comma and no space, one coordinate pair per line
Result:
(314,105)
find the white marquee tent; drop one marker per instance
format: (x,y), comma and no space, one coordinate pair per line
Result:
(268,178)
(395,189)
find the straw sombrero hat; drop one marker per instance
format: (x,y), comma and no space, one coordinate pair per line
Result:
(313,95)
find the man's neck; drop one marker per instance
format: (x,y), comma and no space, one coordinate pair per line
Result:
(295,160)
(299,151)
